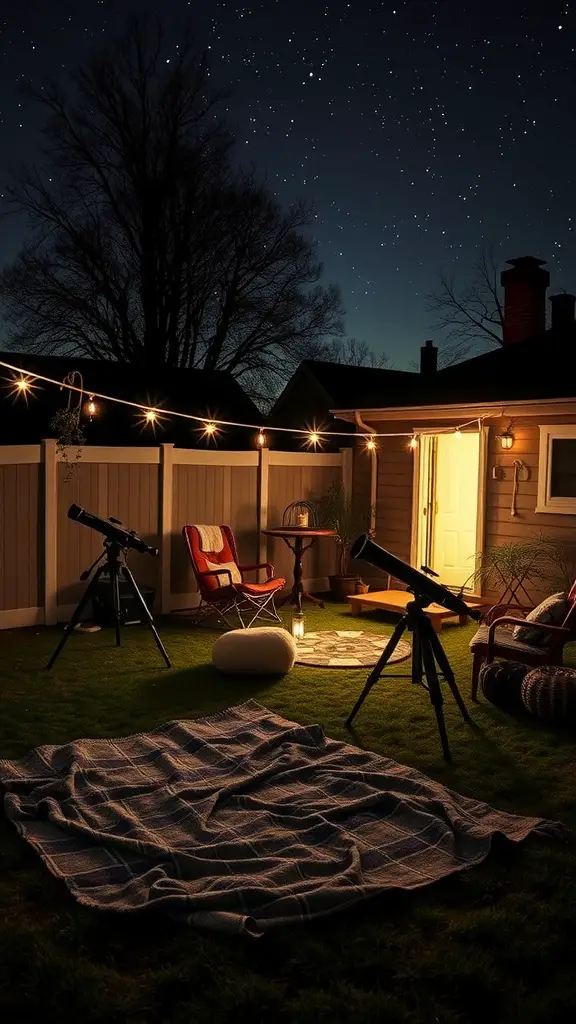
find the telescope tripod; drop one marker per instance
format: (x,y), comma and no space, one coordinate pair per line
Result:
(113,561)
(429,662)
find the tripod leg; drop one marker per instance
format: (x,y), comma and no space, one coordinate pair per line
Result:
(378,668)
(76,615)
(436,699)
(115,581)
(446,669)
(147,614)
(416,658)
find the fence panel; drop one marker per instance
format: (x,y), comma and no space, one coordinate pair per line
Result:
(20,550)
(127,492)
(198,498)
(37,489)
(288,483)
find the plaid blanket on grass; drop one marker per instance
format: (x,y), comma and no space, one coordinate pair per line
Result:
(242,822)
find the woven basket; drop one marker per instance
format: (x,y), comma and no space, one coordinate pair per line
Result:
(550,694)
(501,683)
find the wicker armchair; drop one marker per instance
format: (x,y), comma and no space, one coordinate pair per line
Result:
(494,638)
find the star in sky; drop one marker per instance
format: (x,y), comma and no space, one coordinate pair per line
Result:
(420,130)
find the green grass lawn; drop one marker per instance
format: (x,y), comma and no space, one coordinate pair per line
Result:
(496,942)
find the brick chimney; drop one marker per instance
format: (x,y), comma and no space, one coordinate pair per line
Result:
(562,312)
(525,285)
(428,357)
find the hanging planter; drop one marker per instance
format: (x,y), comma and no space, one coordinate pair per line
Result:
(68,428)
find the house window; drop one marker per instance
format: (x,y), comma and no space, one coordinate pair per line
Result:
(557,469)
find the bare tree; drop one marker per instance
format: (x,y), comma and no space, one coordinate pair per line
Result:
(350,351)
(148,245)
(468,315)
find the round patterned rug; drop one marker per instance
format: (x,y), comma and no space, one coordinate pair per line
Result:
(346,648)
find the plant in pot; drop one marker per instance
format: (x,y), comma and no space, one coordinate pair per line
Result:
(338,511)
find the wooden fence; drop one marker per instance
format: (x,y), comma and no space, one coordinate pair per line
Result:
(154,491)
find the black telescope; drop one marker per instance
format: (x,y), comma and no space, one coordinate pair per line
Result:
(417,582)
(112,529)
(110,567)
(429,661)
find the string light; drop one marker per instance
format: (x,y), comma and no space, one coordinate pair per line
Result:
(91,407)
(371,445)
(313,439)
(261,439)
(458,433)
(25,385)
(21,386)
(209,429)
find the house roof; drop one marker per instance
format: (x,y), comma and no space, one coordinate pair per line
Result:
(359,383)
(206,393)
(536,369)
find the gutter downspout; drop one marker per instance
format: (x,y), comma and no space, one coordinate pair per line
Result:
(373,474)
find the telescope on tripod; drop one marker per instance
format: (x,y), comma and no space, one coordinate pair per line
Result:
(429,661)
(111,563)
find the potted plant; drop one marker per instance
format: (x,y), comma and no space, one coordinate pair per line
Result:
(338,511)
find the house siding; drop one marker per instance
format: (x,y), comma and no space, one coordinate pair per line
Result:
(395,484)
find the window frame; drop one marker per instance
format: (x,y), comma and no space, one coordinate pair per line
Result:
(546,502)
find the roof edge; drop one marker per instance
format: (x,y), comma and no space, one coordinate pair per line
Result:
(448,409)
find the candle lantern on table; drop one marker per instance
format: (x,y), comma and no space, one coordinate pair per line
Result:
(302,514)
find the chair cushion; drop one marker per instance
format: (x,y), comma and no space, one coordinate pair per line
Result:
(550,693)
(552,612)
(259,589)
(501,684)
(504,638)
(265,650)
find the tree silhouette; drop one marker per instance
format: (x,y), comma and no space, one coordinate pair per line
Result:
(149,245)
(468,315)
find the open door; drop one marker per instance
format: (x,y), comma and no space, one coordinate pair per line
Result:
(449,505)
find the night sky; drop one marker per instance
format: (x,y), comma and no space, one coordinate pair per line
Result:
(420,130)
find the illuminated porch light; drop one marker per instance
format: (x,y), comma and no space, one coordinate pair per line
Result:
(297,625)
(507,439)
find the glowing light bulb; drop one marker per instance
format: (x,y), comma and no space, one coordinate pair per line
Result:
(151,416)
(22,385)
(261,439)
(91,407)
(209,429)
(371,445)
(413,442)
(458,433)
(313,437)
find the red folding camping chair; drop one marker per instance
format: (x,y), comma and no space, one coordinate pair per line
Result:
(221,580)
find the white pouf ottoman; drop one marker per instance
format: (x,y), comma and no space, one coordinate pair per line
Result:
(264,650)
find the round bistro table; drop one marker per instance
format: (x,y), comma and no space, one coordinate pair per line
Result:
(295,537)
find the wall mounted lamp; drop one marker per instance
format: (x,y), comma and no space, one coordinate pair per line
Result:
(506,439)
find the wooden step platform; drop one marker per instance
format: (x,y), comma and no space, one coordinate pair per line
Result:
(396,601)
